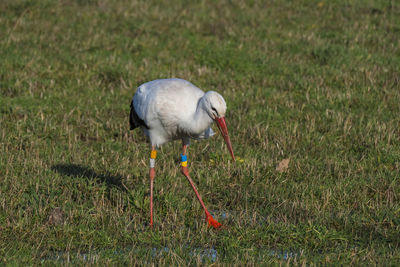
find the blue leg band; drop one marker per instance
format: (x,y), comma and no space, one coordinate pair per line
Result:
(183,158)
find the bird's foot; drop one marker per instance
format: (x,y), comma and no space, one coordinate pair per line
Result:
(213,222)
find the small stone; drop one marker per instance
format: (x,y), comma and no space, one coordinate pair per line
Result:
(56,217)
(283,165)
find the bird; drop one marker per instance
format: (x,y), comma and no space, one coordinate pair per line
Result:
(175,109)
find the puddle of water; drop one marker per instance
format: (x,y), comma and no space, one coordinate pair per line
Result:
(205,254)
(158,252)
(285,255)
(209,254)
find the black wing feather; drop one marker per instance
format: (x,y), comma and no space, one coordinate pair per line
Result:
(134,120)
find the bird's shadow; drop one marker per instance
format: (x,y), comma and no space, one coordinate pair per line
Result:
(76,170)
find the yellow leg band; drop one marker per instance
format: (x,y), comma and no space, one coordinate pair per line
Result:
(184,163)
(153,154)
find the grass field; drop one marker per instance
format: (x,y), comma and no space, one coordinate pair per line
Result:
(313,81)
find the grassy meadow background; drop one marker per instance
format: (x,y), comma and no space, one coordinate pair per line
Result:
(316,82)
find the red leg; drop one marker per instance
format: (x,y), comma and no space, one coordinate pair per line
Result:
(152,173)
(211,221)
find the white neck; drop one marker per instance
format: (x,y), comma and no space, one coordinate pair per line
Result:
(200,120)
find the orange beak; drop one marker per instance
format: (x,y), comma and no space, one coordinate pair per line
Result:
(224,131)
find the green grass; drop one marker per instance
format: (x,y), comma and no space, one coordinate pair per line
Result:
(313,81)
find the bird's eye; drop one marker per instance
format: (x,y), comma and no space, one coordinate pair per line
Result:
(216,112)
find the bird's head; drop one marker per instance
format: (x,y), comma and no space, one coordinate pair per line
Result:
(215,107)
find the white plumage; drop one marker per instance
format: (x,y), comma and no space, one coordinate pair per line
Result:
(176,109)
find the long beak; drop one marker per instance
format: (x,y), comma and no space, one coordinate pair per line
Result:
(224,131)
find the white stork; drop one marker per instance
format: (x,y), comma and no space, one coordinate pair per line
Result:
(170,109)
